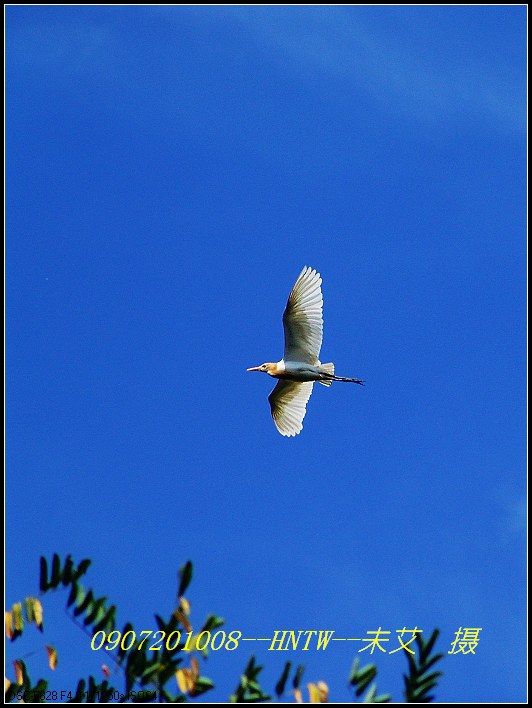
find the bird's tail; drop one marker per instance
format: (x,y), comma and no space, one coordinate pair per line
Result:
(327,370)
(328,374)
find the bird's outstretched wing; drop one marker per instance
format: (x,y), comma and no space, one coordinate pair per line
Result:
(288,402)
(302,319)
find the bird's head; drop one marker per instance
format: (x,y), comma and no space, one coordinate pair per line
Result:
(267,367)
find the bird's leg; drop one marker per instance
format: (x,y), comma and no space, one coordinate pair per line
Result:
(343,378)
(324,376)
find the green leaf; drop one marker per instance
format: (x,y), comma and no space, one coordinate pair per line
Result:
(105,692)
(88,599)
(426,648)
(68,571)
(150,671)
(280,685)
(370,694)
(43,575)
(107,622)
(80,689)
(361,678)
(168,671)
(96,613)
(427,664)
(10,694)
(185,576)
(212,622)
(419,682)
(136,662)
(172,623)
(365,677)
(298,676)
(428,681)
(160,623)
(56,571)
(203,684)
(39,688)
(81,569)
(91,690)
(412,666)
(77,593)
(354,671)
(383,698)
(120,652)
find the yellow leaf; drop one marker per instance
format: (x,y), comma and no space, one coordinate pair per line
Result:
(192,644)
(298,695)
(19,671)
(17,616)
(313,693)
(195,667)
(37,611)
(183,619)
(185,680)
(9,625)
(52,657)
(7,684)
(318,692)
(184,605)
(324,691)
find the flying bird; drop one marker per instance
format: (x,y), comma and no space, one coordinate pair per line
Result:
(300,366)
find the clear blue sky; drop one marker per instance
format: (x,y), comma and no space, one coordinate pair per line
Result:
(169,172)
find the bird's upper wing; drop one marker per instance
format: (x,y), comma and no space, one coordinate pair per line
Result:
(288,402)
(302,319)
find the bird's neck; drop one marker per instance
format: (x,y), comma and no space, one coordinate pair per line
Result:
(277,368)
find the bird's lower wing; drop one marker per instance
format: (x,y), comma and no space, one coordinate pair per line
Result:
(288,402)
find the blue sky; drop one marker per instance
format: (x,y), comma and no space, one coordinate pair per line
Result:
(169,172)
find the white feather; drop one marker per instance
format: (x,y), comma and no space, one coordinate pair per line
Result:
(303,320)
(288,402)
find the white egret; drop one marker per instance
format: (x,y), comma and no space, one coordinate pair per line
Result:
(300,366)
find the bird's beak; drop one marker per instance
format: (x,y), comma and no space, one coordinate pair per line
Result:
(254,368)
